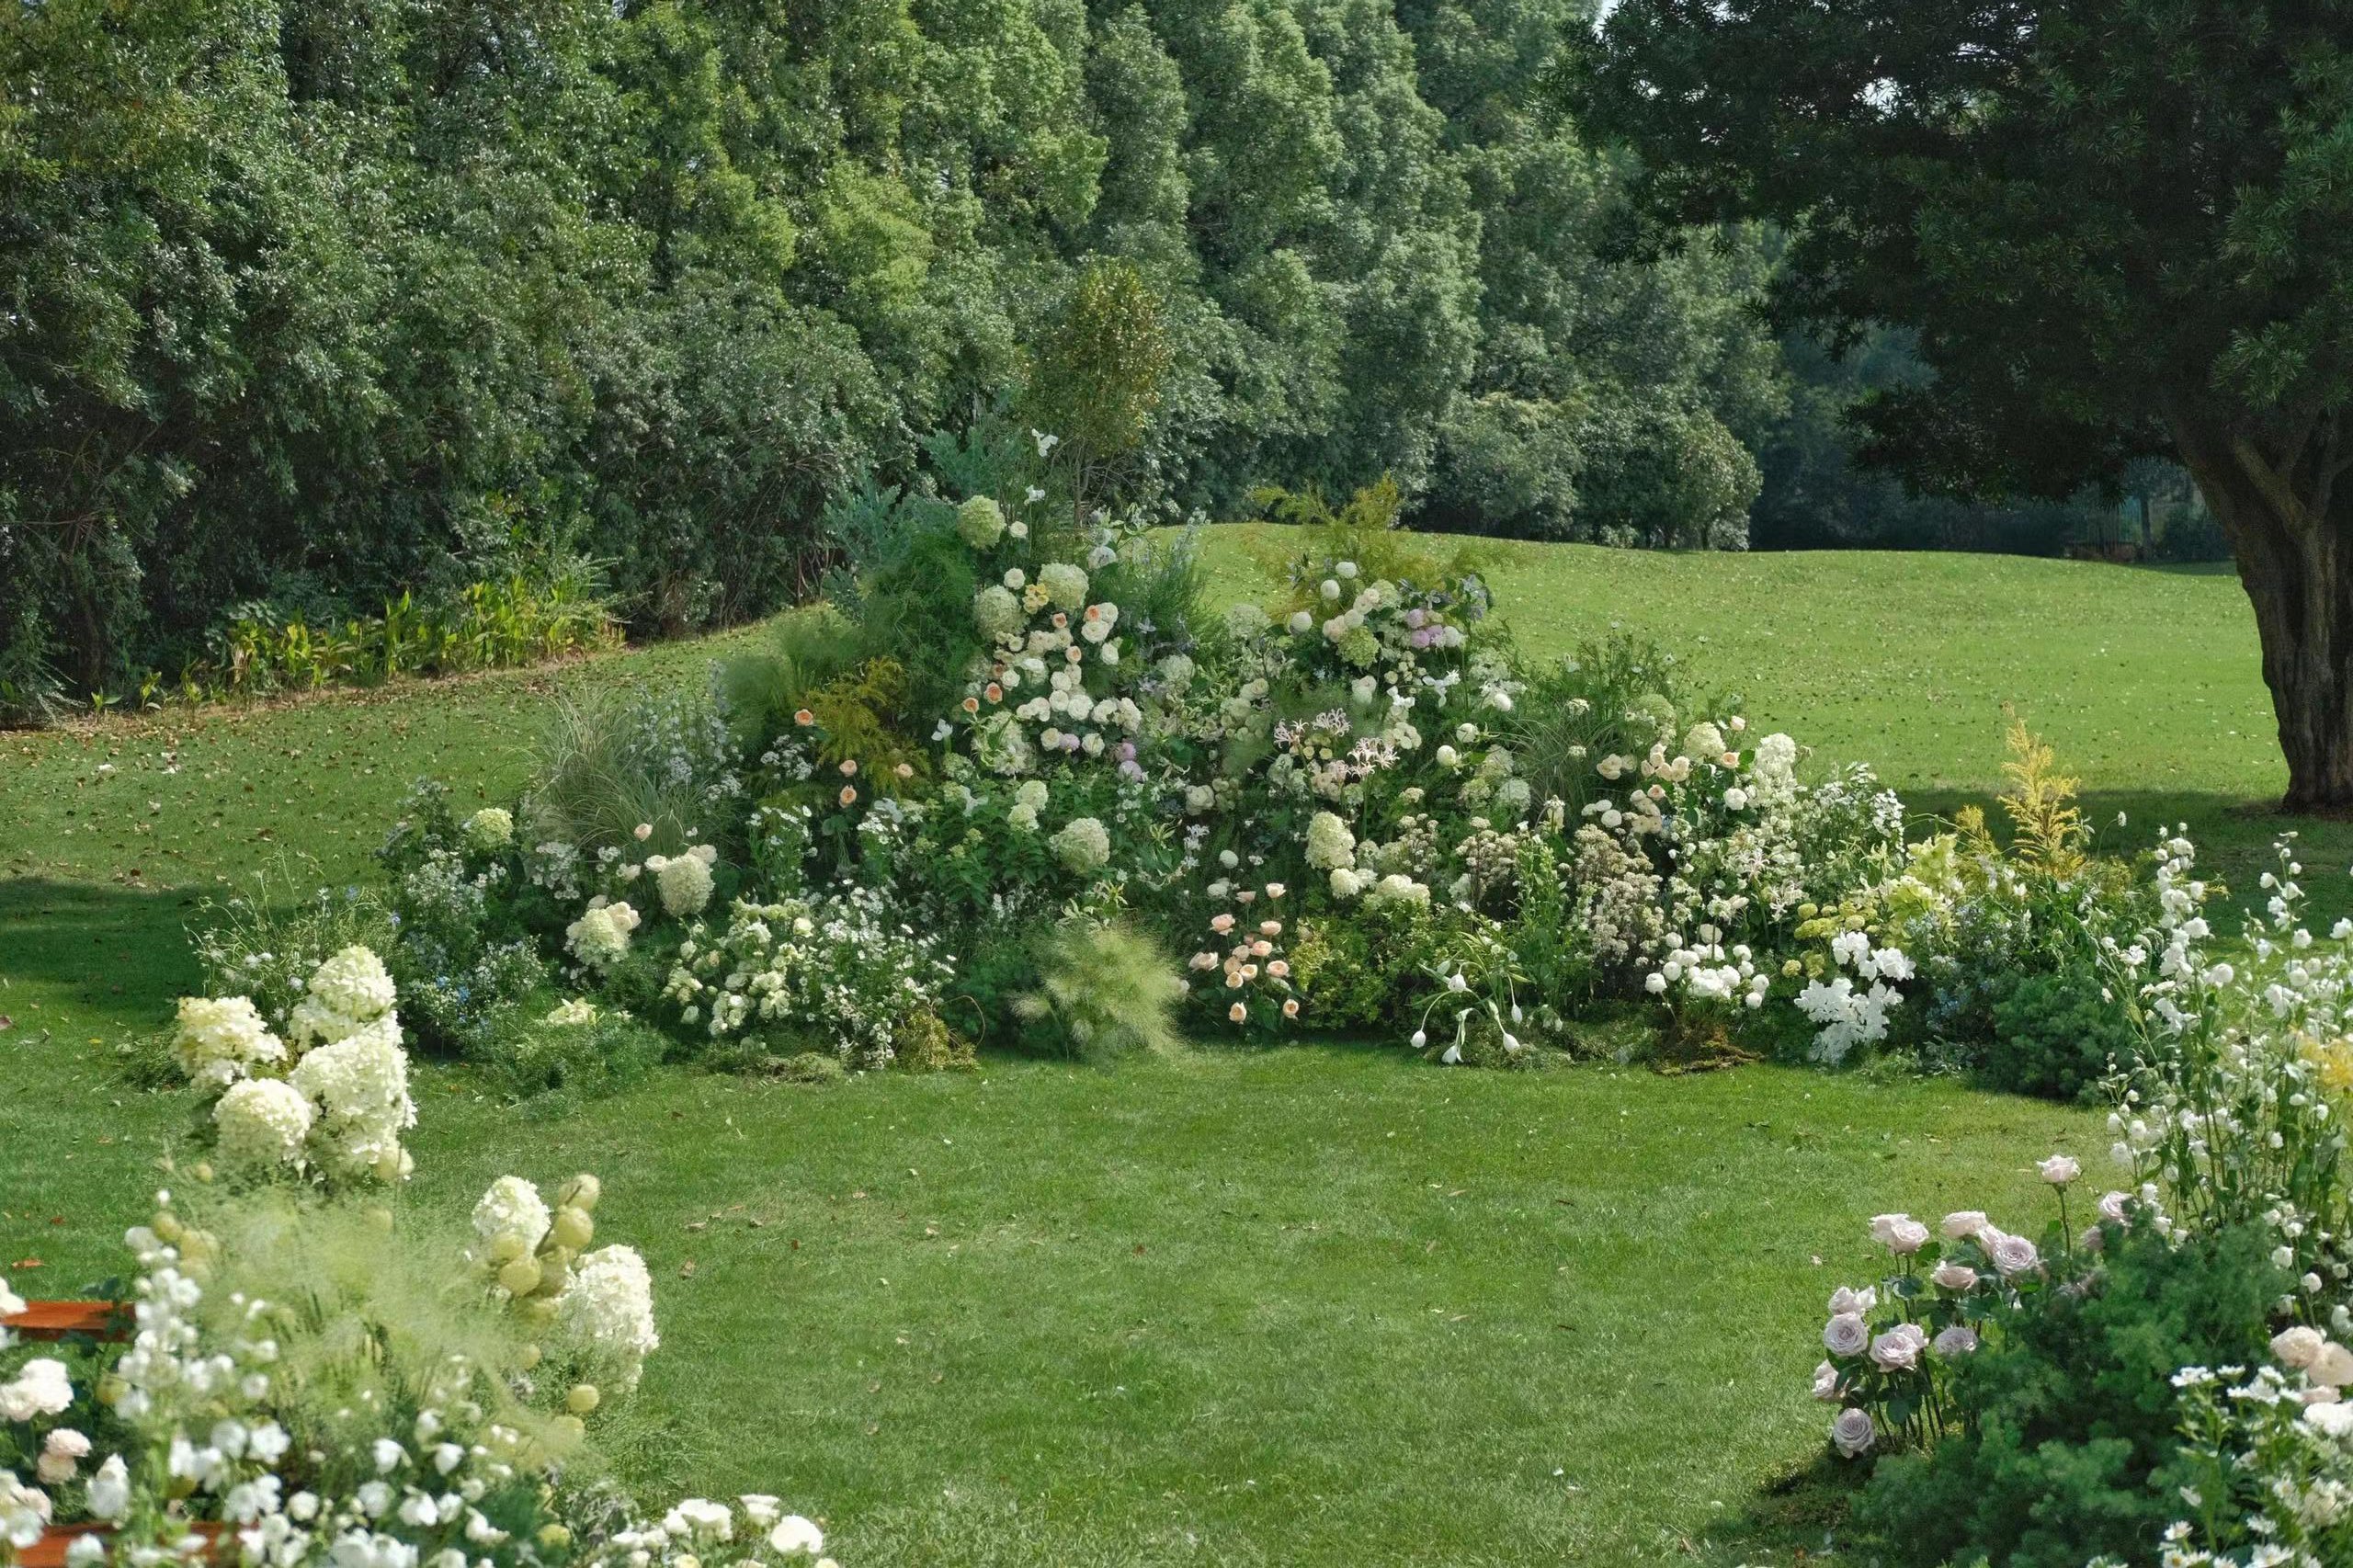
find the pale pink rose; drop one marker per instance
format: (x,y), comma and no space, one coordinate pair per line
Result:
(1958,1340)
(2014,1256)
(1954,1275)
(2059,1169)
(1883,1227)
(1845,1334)
(2114,1206)
(1825,1383)
(1963,1223)
(1846,1299)
(1899,1348)
(1852,1432)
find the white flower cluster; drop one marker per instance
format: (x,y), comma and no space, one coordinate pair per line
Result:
(599,939)
(607,1308)
(221,1041)
(346,995)
(341,1109)
(697,1530)
(843,968)
(1849,1015)
(684,880)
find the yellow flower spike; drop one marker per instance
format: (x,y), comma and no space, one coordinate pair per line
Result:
(521,1276)
(582,1399)
(532,1356)
(202,1171)
(166,1226)
(507,1247)
(554,1537)
(581,1192)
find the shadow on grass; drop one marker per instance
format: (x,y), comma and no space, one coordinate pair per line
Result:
(115,955)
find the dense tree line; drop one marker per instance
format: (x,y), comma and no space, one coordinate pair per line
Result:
(321,300)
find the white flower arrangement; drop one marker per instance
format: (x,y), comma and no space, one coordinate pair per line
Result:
(262,1124)
(684,880)
(490,828)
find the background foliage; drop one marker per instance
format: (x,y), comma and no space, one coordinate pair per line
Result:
(321,302)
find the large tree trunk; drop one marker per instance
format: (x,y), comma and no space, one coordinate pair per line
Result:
(2295,558)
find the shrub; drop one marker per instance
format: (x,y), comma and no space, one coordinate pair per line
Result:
(2067,1443)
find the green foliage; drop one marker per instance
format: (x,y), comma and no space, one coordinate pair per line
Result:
(1097,377)
(2071,1443)
(1616,696)
(2057,1033)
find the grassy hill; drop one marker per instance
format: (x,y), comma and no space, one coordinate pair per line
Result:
(1316,1305)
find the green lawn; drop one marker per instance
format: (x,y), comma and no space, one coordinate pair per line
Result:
(1320,1305)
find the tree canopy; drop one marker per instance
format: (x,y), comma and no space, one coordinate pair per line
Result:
(2117,228)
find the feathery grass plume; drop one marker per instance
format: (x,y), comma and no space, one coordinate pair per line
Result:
(367,1314)
(2049,828)
(1104,989)
(615,759)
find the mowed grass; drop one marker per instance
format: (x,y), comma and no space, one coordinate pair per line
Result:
(1316,1305)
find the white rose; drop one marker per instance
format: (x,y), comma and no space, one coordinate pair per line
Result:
(1954,1275)
(1963,1224)
(1958,1340)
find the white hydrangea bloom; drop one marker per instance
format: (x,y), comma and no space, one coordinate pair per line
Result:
(1083,844)
(1065,585)
(599,939)
(219,1041)
(607,1306)
(360,1087)
(1330,845)
(263,1123)
(684,881)
(489,828)
(346,995)
(512,1218)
